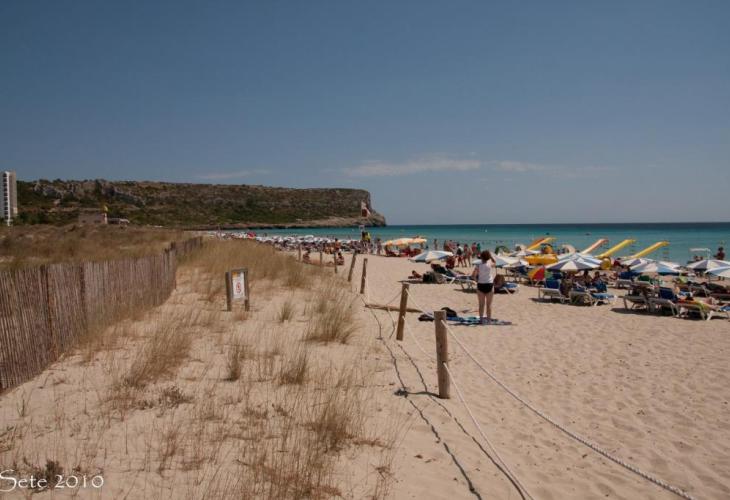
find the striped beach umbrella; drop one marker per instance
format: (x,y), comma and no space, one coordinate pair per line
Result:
(581,256)
(503,261)
(635,262)
(431,256)
(658,267)
(720,272)
(571,265)
(707,264)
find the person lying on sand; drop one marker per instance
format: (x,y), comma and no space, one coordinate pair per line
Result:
(416,275)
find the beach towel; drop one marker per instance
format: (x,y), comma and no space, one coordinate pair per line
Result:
(466,320)
(474,321)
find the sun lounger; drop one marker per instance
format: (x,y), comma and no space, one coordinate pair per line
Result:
(666,299)
(639,302)
(468,285)
(658,305)
(507,288)
(623,283)
(722,297)
(704,311)
(625,279)
(603,298)
(582,297)
(551,291)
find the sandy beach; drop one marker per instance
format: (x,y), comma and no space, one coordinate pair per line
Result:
(650,390)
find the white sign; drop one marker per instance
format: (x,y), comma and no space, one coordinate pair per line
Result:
(238,281)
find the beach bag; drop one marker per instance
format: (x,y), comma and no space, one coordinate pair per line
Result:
(439,278)
(450,313)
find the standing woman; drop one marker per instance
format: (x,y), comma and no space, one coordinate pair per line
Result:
(484,273)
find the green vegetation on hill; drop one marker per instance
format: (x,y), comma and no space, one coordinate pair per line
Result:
(191,205)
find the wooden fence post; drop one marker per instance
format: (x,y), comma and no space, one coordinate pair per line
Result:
(334,255)
(299,254)
(402,311)
(229,292)
(352,266)
(364,275)
(442,354)
(321,259)
(246,288)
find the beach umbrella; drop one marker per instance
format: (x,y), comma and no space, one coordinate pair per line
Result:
(503,261)
(635,262)
(721,272)
(657,267)
(537,274)
(525,253)
(581,256)
(431,255)
(707,264)
(400,242)
(568,265)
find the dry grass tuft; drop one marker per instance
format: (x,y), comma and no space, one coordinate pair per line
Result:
(173,396)
(262,261)
(333,318)
(286,311)
(163,352)
(293,370)
(338,415)
(236,353)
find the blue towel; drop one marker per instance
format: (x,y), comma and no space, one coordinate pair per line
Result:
(475,321)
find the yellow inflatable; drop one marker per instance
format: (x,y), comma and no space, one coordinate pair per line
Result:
(541,259)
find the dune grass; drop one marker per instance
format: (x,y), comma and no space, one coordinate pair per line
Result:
(33,245)
(222,407)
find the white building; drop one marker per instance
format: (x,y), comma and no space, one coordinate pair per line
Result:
(8,196)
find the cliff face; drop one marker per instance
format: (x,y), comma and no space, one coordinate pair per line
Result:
(194,205)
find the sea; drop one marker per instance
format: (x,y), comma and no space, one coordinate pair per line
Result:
(682,237)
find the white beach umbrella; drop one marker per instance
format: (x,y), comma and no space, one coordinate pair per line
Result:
(581,256)
(657,267)
(636,262)
(431,255)
(576,264)
(504,261)
(707,264)
(721,272)
(525,253)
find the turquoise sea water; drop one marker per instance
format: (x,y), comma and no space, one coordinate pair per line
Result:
(682,236)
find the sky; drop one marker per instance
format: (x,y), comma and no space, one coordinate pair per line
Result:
(447,112)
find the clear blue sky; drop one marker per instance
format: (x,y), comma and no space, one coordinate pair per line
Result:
(448,112)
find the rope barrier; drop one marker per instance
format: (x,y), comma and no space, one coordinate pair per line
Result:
(662,484)
(503,467)
(484,436)
(632,468)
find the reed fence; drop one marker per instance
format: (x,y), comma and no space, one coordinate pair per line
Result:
(44,310)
